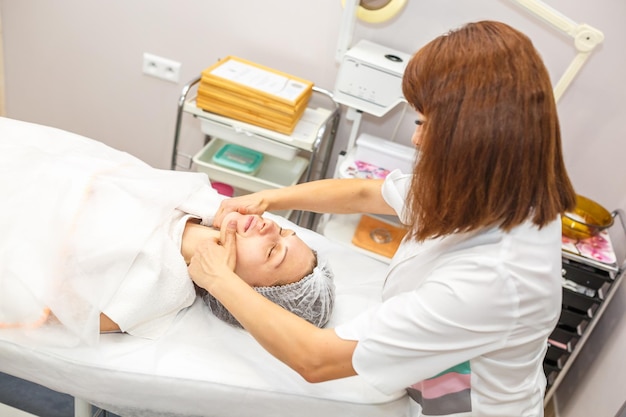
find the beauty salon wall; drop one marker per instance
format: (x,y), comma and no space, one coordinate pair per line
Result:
(76,65)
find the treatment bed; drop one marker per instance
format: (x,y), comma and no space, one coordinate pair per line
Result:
(201,366)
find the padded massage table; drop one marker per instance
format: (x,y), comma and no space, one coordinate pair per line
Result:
(201,366)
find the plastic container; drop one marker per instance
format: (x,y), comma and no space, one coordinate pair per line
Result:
(273,173)
(223,189)
(238,158)
(251,140)
(384,153)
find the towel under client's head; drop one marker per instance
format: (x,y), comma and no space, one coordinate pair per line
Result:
(311,298)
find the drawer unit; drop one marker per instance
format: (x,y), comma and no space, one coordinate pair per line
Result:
(588,286)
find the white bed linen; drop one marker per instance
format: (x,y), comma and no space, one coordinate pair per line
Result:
(199,366)
(83,228)
(203,367)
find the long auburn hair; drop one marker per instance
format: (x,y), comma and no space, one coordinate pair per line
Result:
(490,151)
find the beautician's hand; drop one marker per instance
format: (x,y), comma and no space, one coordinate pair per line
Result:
(215,260)
(254,203)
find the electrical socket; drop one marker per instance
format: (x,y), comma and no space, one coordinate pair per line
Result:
(160,67)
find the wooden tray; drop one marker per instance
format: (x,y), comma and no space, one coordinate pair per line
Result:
(378,236)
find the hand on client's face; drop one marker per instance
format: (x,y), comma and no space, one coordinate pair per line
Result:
(215,259)
(246,204)
(267,254)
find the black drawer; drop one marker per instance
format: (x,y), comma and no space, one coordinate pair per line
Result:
(587,279)
(579,303)
(573,322)
(556,357)
(551,373)
(563,339)
(588,268)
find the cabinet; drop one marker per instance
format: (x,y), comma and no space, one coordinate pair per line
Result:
(589,281)
(288,159)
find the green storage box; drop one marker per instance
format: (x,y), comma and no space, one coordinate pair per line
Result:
(238,158)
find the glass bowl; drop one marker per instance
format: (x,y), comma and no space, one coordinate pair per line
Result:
(587,219)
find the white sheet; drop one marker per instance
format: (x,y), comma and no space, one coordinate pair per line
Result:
(200,366)
(85,229)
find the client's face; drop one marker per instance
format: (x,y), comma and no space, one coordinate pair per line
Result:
(268,255)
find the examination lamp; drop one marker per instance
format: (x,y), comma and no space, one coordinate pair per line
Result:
(586,38)
(371,11)
(370,75)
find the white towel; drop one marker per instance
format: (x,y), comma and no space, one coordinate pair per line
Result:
(80,222)
(158,286)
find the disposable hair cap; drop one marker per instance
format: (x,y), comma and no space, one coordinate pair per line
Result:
(311,298)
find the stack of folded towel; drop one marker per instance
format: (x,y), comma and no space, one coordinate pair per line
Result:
(252,93)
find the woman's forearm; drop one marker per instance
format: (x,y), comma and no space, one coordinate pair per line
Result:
(330,196)
(316,354)
(322,196)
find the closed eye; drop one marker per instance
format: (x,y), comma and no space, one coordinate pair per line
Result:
(283,233)
(280,233)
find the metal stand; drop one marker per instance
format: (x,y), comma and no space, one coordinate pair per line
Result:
(319,155)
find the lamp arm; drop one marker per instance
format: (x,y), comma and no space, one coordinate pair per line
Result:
(550,15)
(348,21)
(586,38)
(569,74)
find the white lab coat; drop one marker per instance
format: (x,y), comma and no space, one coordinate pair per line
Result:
(486,301)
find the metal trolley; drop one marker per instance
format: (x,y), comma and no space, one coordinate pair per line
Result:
(300,157)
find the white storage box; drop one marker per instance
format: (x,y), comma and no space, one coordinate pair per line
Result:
(273,173)
(384,153)
(248,139)
(306,135)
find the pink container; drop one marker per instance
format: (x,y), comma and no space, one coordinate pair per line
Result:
(223,189)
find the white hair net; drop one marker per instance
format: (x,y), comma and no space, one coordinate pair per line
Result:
(311,298)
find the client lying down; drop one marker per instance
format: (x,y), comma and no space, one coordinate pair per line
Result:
(273,260)
(96,240)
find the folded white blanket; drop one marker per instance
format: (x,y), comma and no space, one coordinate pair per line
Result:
(85,229)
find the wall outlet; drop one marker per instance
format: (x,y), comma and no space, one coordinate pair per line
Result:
(160,67)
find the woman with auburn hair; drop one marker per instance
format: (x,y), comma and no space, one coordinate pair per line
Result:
(474,290)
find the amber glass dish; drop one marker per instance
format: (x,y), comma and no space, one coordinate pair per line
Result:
(587,219)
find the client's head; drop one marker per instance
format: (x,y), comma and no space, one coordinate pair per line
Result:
(281,267)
